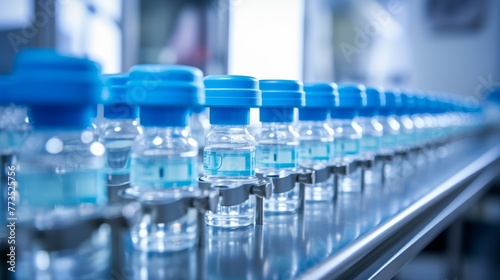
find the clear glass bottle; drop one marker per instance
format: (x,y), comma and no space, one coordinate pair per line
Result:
(118,130)
(229,154)
(390,139)
(348,134)
(317,137)
(407,133)
(373,131)
(61,164)
(277,152)
(431,126)
(164,159)
(419,127)
(277,155)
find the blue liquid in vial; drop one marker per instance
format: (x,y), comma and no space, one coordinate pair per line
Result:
(277,156)
(371,144)
(117,155)
(229,162)
(226,167)
(315,155)
(11,139)
(348,149)
(164,172)
(49,190)
(279,161)
(315,151)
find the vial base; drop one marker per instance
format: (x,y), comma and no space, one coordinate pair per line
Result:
(240,215)
(283,203)
(165,237)
(392,171)
(89,260)
(320,191)
(351,182)
(373,176)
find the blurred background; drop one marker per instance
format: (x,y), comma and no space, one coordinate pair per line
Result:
(432,45)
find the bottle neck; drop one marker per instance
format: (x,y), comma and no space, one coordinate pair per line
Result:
(277,125)
(120,111)
(168,130)
(232,128)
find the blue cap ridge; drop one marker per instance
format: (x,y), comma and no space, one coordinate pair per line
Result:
(60,91)
(230,98)
(117,103)
(232,91)
(43,76)
(166,85)
(279,97)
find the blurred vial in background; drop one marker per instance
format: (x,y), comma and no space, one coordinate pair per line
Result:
(200,126)
(117,132)
(61,164)
(164,159)
(407,133)
(348,134)
(316,136)
(390,139)
(417,116)
(373,131)
(229,154)
(14,128)
(277,152)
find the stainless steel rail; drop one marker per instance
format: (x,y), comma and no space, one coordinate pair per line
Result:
(382,252)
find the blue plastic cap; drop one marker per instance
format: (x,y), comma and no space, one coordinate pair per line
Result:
(198,110)
(321,95)
(165,93)
(44,76)
(232,91)
(320,98)
(407,103)
(279,97)
(494,95)
(6,95)
(117,102)
(282,93)
(166,85)
(352,96)
(421,104)
(375,99)
(60,91)
(230,98)
(392,102)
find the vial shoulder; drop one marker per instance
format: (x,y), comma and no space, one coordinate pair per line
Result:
(277,136)
(229,138)
(151,143)
(313,132)
(128,129)
(71,149)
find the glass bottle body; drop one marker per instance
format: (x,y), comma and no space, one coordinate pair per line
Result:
(62,174)
(390,145)
(229,162)
(164,169)
(277,156)
(347,149)
(118,135)
(371,144)
(316,152)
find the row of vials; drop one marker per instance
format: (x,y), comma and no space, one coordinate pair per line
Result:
(139,165)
